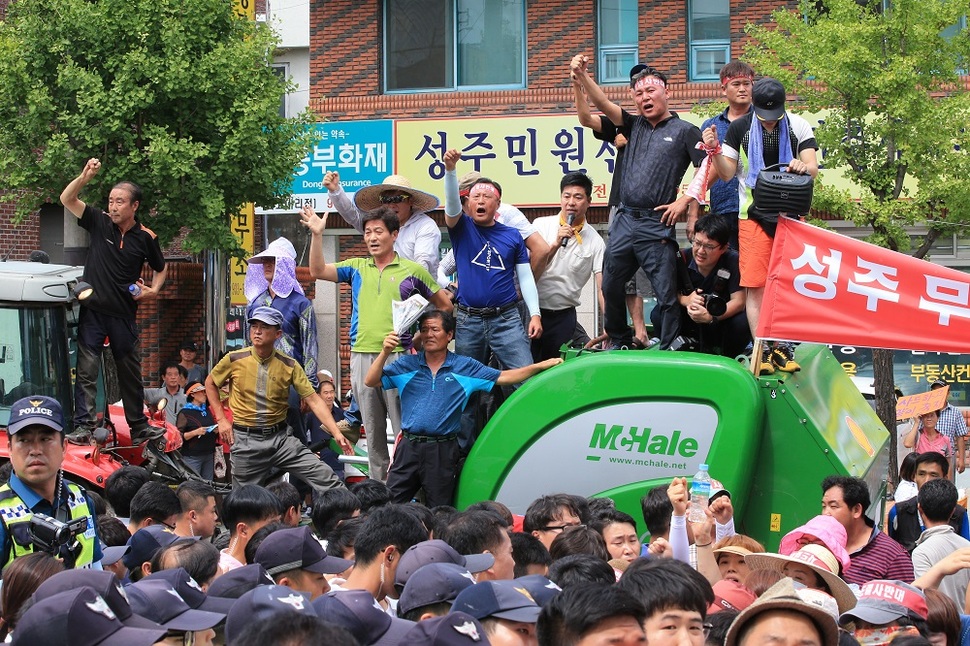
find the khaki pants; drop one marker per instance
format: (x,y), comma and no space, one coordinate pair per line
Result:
(254,455)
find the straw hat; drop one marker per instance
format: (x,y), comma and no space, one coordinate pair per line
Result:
(819,559)
(783,596)
(368,199)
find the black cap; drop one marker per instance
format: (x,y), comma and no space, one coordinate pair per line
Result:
(145,542)
(437,551)
(238,581)
(190,590)
(81,618)
(542,589)
(294,548)
(103,582)
(500,599)
(434,583)
(768,96)
(359,612)
(453,629)
(161,603)
(263,604)
(45,411)
(189,344)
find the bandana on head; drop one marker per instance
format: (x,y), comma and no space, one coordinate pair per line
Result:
(488,188)
(728,79)
(649,80)
(284,279)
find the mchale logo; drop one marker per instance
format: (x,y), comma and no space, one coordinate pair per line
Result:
(644,440)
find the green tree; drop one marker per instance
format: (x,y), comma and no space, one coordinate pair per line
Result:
(177,96)
(897,122)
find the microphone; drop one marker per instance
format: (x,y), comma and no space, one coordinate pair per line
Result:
(569,221)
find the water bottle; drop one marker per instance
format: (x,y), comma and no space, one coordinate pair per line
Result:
(700,493)
(135,290)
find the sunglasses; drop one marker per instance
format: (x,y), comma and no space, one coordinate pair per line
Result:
(394,199)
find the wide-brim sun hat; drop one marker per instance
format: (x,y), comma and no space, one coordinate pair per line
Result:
(816,557)
(369,198)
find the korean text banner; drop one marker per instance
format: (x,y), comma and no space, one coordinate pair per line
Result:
(824,287)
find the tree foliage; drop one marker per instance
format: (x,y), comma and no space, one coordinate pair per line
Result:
(176,96)
(898,109)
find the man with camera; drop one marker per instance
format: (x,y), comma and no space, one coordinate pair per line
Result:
(39,510)
(712,315)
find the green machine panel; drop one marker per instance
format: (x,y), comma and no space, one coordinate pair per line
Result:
(616,424)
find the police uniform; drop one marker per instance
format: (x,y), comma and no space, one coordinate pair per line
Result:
(19,502)
(258,399)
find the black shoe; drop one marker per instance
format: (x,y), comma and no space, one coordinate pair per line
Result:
(146,433)
(81,436)
(765,366)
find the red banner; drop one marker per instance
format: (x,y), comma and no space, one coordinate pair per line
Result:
(828,288)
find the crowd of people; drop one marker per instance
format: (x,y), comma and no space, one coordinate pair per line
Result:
(309,559)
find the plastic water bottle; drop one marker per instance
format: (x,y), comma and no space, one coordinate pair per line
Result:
(135,290)
(700,493)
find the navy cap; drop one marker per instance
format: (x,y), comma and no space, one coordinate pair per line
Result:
(111,554)
(267,315)
(359,612)
(768,96)
(81,618)
(263,604)
(294,548)
(636,69)
(145,542)
(190,590)
(453,629)
(500,599)
(104,583)
(541,588)
(45,411)
(434,583)
(437,551)
(236,582)
(189,344)
(160,602)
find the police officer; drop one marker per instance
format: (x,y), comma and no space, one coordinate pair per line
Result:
(35,435)
(259,379)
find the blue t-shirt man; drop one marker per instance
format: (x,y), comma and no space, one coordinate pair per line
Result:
(486,259)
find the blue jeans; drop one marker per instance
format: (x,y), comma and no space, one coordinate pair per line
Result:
(475,337)
(204,465)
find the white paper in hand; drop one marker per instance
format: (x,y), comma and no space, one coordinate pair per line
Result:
(405,313)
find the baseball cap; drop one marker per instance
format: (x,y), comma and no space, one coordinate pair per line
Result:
(294,548)
(768,96)
(359,612)
(453,629)
(159,601)
(104,583)
(730,595)
(111,554)
(263,604)
(189,344)
(39,409)
(500,599)
(541,588)
(881,602)
(279,248)
(939,382)
(325,375)
(81,618)
(267,315)
(190,590)
(783,596)
(234,583)
(717,490)
(434,583)
(145,542)
(636,69)
(437,551)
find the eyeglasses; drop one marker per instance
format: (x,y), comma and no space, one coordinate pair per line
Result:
(394,199)
(559,528)
(705,247)
(170,527)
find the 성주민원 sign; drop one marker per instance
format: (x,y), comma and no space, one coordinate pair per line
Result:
(823,287)
(611,446)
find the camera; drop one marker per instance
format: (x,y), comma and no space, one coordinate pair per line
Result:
(714,303)
(50,535)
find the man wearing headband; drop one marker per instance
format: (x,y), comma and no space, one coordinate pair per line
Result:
(490,257)
(736,81)
(660,150)
(418,239)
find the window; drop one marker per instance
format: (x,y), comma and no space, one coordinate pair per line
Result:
(453,44)
(617,33)
(709,29)
(281,70)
